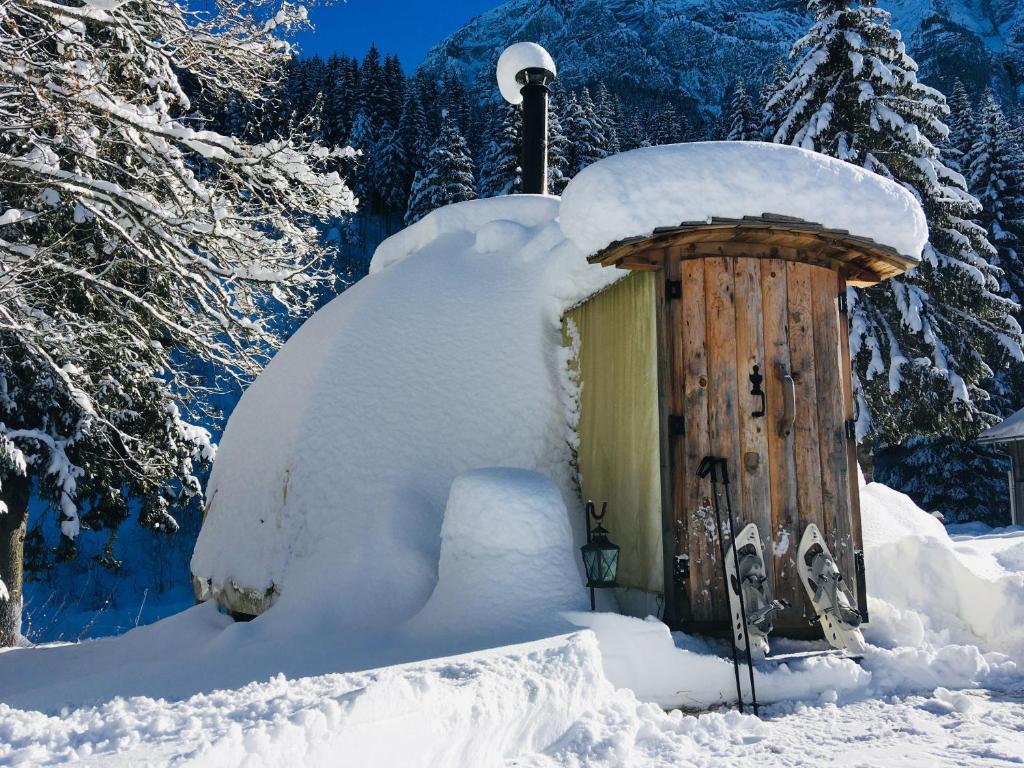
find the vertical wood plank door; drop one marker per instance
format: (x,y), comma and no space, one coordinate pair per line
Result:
(783,317)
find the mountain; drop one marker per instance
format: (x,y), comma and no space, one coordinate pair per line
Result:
(692,50)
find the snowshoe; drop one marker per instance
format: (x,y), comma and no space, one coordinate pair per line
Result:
(753,581)
(832,601)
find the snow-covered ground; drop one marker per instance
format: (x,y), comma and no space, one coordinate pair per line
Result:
(942,682)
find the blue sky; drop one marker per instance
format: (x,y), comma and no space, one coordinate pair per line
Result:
(406,27)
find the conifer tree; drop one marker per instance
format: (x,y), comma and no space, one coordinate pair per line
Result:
(608,112)
(558,148)
(961,128)
(739,118)
(924,343)
(773,109)
(587,142)
(667,126)
(994,165)
(446,177)
(500,173)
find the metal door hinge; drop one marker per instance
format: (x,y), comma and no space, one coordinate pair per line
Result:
(673,289)
(850,427)
(844,305)
(676,425)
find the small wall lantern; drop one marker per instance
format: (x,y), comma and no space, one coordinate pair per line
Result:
(600,555)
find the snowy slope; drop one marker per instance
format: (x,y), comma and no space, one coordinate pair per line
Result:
(695,48)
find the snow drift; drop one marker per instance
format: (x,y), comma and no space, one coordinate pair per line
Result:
(334,470)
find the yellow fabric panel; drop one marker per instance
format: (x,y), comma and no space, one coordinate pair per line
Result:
(619,450)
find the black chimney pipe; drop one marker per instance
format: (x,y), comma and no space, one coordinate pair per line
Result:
(535,82)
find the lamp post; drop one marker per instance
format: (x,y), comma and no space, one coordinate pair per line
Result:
(600,555)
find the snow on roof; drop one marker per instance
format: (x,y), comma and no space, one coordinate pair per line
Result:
(1008,430)
(331,481)
(514,60)
(634,193)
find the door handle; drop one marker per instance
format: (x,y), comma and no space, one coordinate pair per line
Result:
(789,401)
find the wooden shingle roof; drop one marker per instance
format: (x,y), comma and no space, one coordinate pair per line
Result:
(860,259)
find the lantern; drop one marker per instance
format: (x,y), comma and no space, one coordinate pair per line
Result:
(600,555)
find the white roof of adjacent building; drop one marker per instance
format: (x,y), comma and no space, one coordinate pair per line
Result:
(1009,430)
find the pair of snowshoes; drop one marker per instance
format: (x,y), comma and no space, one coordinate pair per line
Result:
(820,576)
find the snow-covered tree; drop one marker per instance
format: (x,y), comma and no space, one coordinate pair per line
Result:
(558,149)
(668,126)
(446,177)
(961,127)
(500,173)
(587,142)
(994,165)
(740,118)
(924,343)
(772,109)
(131,239)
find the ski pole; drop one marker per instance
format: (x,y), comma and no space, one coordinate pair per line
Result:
(708,465)
(739,583)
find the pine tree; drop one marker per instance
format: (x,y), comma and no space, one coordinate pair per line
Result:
(558,149)
(994,165)
(667,126)
(391,164)
(961,128)
(500,173)
(132,241)
(608,112)
(740,116)
(923,343)
(362,170)
(447,175)
(587,143)
(772,109)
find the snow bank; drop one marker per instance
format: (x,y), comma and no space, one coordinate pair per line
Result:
(507,555)
(514,60)
(472,710)
(634,192)
(642,655)
(925,588)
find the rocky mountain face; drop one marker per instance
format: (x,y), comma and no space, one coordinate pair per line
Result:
(692,50)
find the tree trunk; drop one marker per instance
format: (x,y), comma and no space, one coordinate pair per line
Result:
(13,524)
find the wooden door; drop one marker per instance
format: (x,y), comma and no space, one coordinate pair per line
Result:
(734,313)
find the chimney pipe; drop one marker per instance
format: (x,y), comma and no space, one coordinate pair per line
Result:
(524,72)
(535,129)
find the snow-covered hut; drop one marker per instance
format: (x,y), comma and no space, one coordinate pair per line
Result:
(1009,433)
(606,340)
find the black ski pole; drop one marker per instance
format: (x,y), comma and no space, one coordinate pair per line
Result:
(708,465)
(739,583)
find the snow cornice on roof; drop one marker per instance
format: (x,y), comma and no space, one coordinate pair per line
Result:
(745,198)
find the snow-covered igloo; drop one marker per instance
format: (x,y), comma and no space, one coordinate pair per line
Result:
(333,473)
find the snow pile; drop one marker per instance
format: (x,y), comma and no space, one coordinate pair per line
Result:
(330,486)
(924,588)
(644,657)
(507,555)
(634,192)
(514,60)
(475,710)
